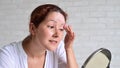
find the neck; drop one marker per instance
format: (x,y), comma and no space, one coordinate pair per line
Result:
(32,49)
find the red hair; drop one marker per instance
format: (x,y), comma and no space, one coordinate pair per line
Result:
(39,14)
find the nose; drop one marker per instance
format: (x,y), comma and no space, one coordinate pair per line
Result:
(56,33)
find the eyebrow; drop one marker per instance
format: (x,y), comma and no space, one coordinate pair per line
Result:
(55,21)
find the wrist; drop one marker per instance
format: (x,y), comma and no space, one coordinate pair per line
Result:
(69,49)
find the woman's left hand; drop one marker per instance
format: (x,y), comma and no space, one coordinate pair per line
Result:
(69,38)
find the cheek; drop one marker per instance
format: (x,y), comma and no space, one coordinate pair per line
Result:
(48,33)
(61,35)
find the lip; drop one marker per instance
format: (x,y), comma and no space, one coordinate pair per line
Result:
(53,41)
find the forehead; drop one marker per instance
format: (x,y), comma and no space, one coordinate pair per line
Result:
(55,17)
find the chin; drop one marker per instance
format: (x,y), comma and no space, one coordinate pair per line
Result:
(52,48)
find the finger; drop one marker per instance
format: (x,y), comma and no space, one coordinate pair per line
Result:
(70,28)
(72,34)
(66,28)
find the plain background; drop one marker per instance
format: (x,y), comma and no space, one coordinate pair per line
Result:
(96,24)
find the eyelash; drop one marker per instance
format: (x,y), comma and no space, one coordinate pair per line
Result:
(61,29)
(51,27)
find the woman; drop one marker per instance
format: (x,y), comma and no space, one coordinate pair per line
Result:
(44,47)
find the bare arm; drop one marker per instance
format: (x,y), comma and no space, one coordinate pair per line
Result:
(69,38)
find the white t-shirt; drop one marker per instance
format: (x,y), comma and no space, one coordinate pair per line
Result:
(13,56)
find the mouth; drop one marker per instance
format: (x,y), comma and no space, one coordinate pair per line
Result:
(53,41)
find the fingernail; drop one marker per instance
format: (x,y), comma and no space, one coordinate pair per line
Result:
(65,25)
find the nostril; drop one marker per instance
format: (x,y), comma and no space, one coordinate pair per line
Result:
(55,36)
(55,33)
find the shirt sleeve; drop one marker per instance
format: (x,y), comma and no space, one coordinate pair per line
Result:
(61,55)
(5,59)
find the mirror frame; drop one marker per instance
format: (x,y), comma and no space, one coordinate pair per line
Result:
(105,51)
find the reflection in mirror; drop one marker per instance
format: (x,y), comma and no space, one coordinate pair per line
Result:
(101,58)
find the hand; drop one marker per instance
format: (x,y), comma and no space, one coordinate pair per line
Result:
(69,38)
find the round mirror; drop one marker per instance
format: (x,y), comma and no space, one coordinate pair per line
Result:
(99,59)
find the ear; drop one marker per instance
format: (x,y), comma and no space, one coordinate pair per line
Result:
(32,29)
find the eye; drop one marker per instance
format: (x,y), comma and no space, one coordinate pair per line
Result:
(51,27)
(61,29)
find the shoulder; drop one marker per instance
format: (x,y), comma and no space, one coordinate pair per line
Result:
(9,50)
(7,54)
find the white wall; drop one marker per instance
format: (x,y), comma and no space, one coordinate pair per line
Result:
(95,22)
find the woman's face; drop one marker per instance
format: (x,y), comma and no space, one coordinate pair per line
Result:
(50,32)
